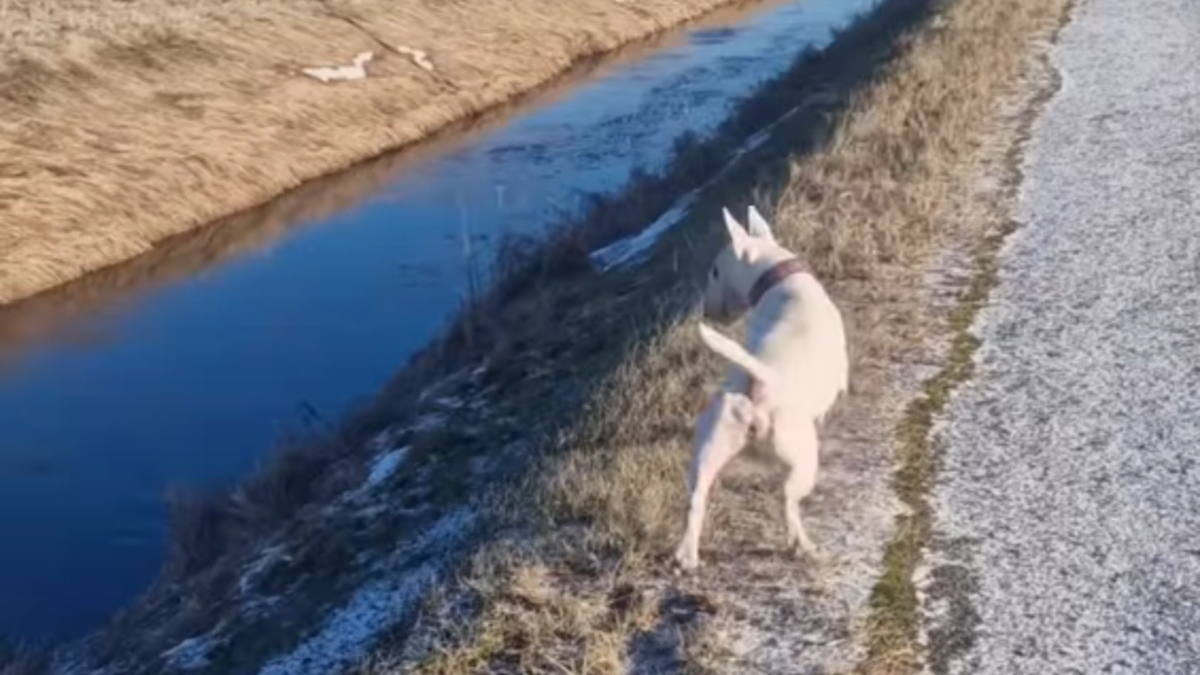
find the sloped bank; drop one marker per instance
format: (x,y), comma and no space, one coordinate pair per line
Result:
(320,562)
(122,124)
(508,332)
(918,167)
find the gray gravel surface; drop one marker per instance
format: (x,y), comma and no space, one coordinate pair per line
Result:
(1068,505)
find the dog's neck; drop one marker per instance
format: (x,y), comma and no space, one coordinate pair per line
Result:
(774,275)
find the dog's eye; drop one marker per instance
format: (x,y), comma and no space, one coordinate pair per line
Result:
(714,273)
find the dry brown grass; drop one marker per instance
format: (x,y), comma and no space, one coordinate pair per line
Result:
(124,123)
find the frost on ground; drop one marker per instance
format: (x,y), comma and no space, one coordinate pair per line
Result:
(385,466)
(1070,500)
(190,654)
(318,594)
(397,583)
(391,596)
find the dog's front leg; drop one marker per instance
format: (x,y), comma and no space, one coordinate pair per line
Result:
(721,432)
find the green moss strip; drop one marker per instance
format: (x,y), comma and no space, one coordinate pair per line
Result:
(892,641)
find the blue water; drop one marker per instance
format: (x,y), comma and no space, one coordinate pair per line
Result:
(190,382)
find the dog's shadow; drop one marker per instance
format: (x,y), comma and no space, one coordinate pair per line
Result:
(688,611)
(663,649)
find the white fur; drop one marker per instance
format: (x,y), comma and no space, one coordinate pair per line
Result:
(738,355)
(795,353)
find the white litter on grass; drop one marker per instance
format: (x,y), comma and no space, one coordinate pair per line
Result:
(352,630)
(633,249)
(419,57)
(357,71)
(191,654)
(385,466)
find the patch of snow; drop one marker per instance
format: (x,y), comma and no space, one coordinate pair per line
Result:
(379,509)
(634,248)
(375,607)
(451,402)
(385,466)
(75,661)
(428,421)
(268,557)
(191,654)
(384,440)
(454,379)
(79,668)
(356,71)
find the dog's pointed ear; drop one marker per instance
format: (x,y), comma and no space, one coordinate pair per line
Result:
(758,226)
(737,234)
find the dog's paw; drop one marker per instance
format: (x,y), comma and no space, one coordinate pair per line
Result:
(813,553)
(803,547)
(687,558)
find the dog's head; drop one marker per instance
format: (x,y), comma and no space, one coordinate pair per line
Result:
(738,266)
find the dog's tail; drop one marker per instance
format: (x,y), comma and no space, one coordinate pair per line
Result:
(736,353)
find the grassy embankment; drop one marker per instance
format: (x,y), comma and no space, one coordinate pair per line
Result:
(123,123)
(591,383)
(587,585)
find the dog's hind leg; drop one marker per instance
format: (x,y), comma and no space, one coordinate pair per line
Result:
(721,432)
(797,445)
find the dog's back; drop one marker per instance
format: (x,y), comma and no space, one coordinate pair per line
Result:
(797,331)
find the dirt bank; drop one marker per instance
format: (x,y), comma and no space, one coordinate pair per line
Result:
(122,124)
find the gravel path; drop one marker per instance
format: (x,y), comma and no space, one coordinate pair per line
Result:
(1068,505)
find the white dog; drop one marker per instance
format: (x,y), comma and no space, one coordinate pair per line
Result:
(790,374)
